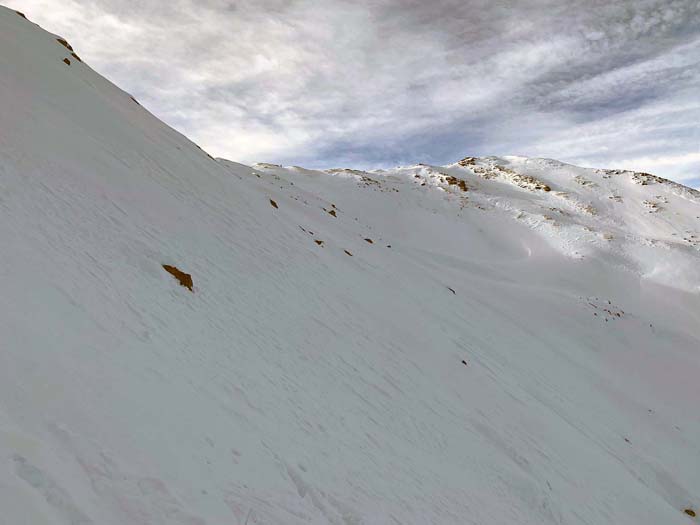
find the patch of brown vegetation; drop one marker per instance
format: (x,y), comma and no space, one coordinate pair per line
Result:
(64,43)
(690,512)
(345,170)
(527,182)
(646,179)
(584,182)
(185,279)
(369,181)
(66,61)
(467,161)
(523,181)
(273,204)
(369,241)
(454,181)
(652,206)
(484,173)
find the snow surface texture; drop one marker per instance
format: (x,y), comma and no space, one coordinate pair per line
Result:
(499,341)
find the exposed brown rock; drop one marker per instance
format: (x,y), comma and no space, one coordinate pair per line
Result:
(66,61)
(454,181)
(467,161)
(185,279)
(273,203)
(369,241)
(348,253)
(76,57)
(332,212)
(64,43)
(690,512)
(21,14)
(320,243)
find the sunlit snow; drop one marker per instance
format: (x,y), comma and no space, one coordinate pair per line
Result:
(498,341)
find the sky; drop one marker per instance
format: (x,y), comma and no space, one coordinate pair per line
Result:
(380,83)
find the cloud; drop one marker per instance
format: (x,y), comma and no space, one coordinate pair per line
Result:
(378,82)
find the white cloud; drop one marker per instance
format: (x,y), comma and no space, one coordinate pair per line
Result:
(676,164)
(381,81)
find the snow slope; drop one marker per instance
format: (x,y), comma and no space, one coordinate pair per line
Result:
(518,343)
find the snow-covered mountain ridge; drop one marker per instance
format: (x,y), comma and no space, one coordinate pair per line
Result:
(501,340)
(646,223)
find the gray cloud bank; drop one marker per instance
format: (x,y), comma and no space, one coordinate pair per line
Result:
(384,82)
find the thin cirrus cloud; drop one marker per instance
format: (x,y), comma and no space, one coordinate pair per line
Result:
(374,83)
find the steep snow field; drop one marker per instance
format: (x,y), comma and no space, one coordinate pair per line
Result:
(498,341)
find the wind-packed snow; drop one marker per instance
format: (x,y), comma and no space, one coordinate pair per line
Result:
(498,341)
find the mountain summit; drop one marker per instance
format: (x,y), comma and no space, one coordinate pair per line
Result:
(187,340)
